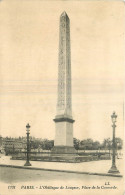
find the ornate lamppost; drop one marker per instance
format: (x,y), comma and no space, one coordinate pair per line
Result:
(109,147)
(28,148)
(117,148)
(113,168)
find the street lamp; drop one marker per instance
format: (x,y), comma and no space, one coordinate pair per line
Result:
(117,145)
(28,132)
(113,168)
(109,146)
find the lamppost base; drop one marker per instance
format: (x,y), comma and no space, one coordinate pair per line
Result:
(113,169)
(27,164)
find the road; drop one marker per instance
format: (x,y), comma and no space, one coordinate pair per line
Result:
(101,166)
(34,182)
(12,175)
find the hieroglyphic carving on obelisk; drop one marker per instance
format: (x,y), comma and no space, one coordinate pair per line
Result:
(64,68)
(63,120)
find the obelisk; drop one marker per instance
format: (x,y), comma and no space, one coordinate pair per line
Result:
(63,121)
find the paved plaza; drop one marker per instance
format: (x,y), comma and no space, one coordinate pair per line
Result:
(101,166)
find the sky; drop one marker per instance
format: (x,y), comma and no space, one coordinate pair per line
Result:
(29,43)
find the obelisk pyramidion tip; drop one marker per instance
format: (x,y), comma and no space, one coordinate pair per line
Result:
(64,14)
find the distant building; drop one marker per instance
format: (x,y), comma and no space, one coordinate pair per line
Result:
(13,145)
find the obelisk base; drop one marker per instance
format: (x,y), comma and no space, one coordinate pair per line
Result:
(63,150)
(63,142)
(65,154)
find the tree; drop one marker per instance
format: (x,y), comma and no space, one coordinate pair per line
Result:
(76,143)
(86,144)
(96,145)
(107,143)
(119,143)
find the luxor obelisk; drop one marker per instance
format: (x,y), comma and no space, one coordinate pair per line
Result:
(63,121)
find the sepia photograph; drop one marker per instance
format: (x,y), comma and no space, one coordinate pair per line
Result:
(62,97)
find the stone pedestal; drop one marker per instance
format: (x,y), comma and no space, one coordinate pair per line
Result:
(64,133)
(63,144)
(63,150)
